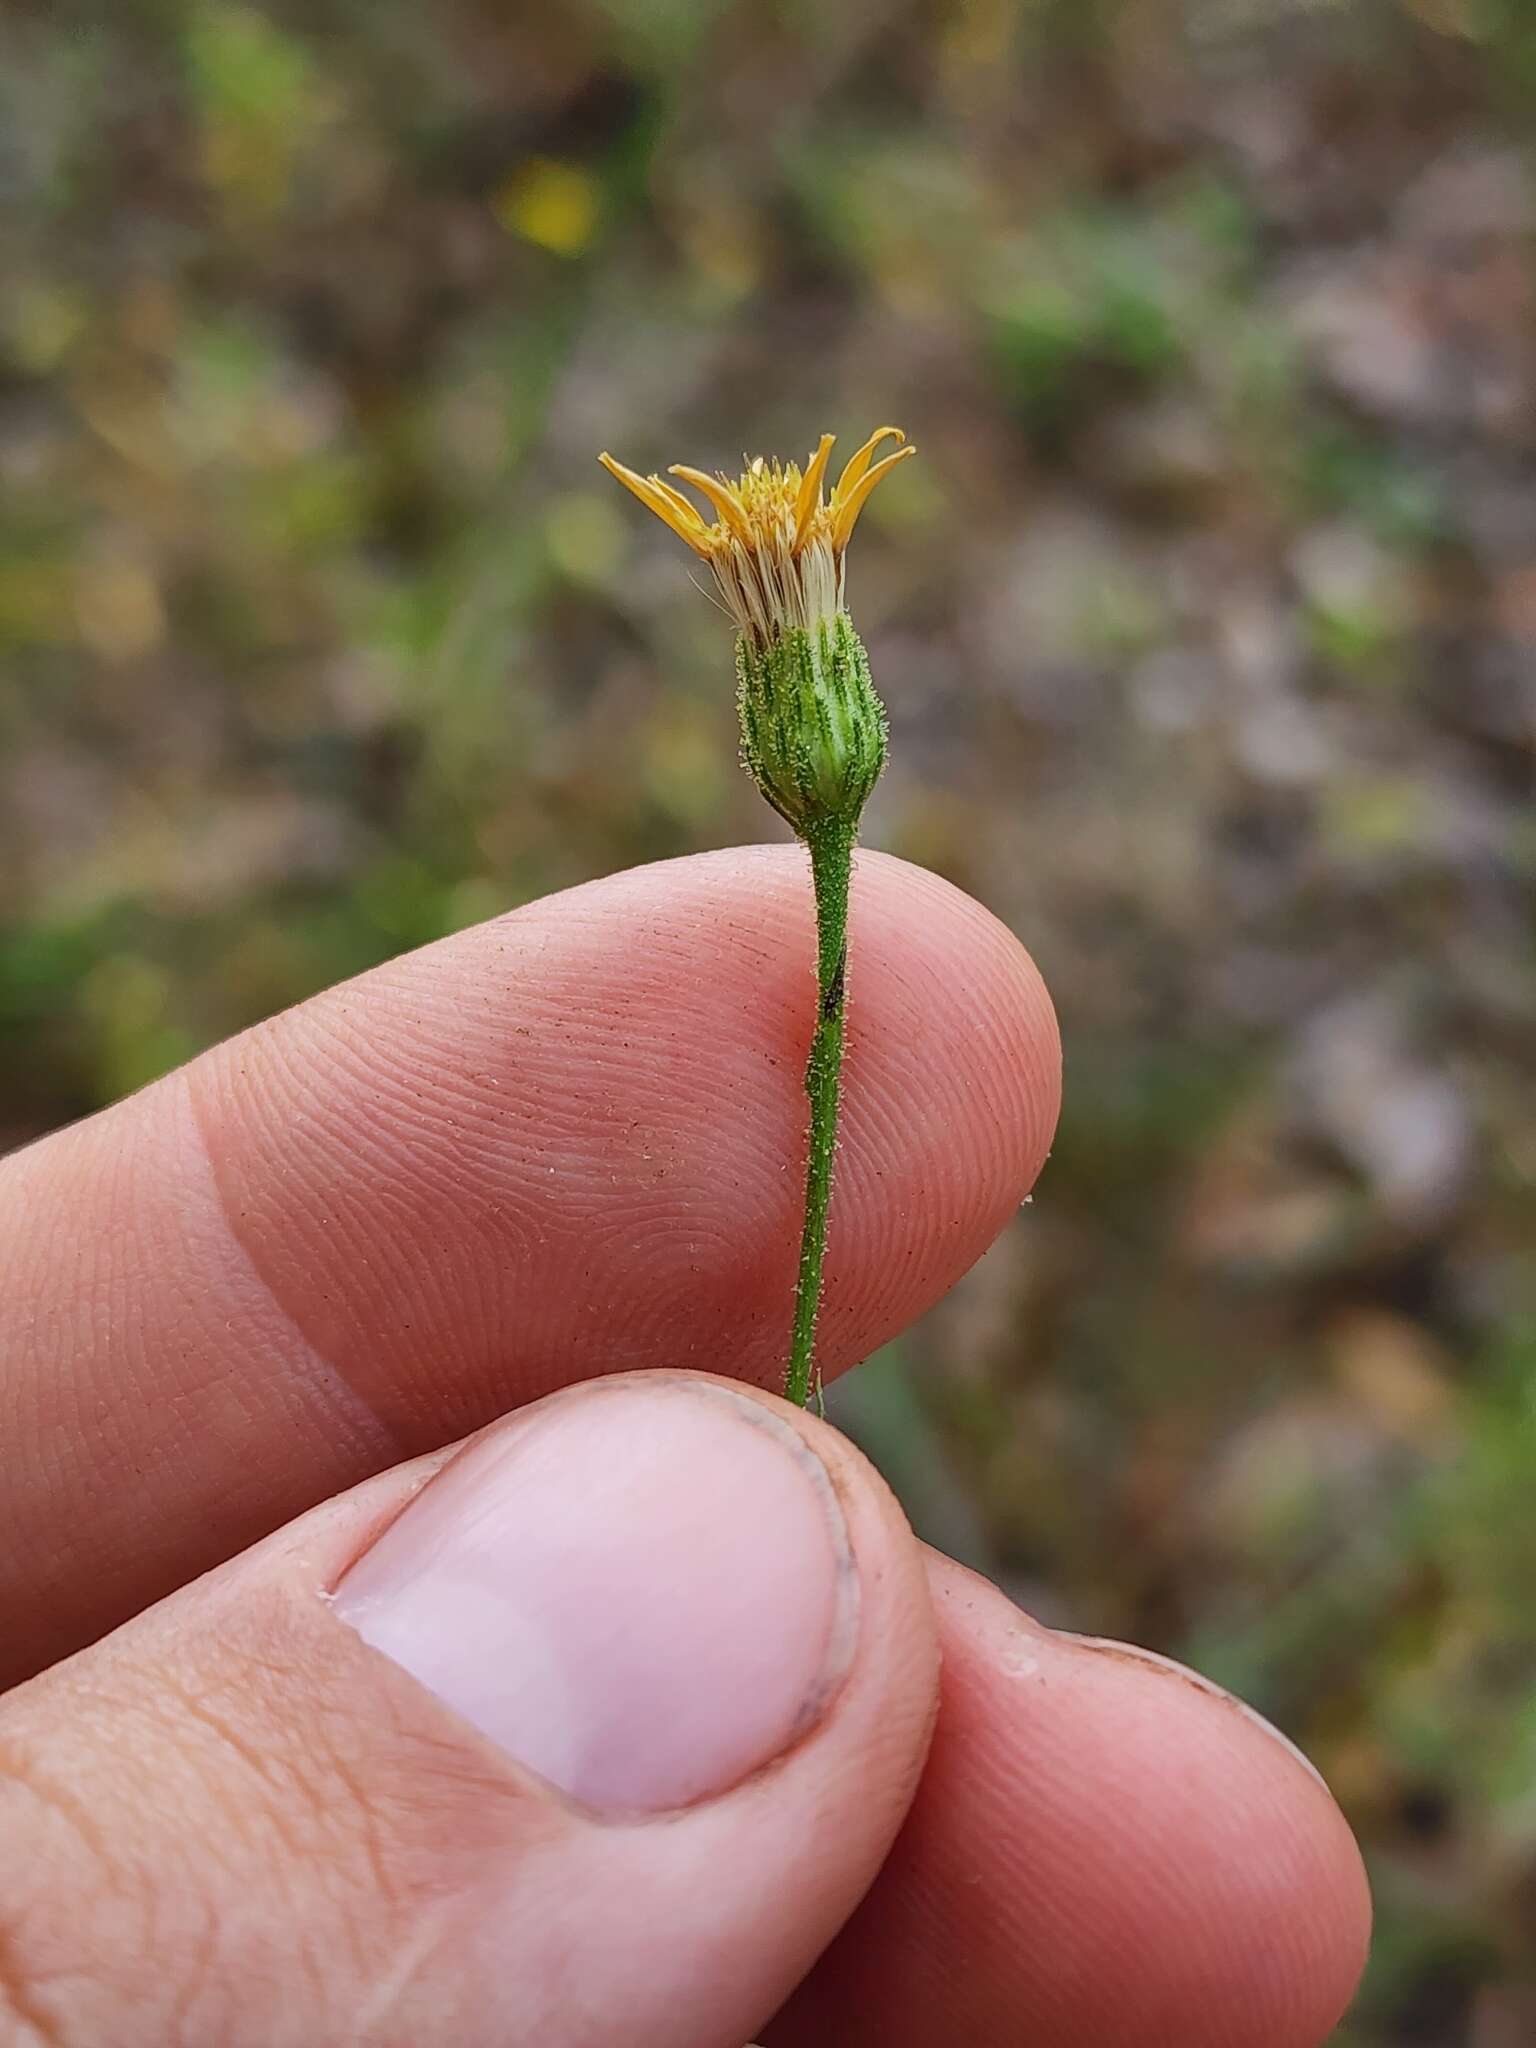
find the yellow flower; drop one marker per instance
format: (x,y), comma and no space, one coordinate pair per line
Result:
(776,547)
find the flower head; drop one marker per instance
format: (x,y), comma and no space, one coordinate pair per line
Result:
(777,542)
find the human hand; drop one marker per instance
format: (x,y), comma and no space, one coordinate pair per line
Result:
(617,1714)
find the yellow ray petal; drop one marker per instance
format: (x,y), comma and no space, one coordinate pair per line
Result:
(810,488)
(846,509)
(859,462)
(668,505)
(685,506)
(725,498)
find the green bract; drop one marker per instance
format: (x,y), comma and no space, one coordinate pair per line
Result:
(813,730)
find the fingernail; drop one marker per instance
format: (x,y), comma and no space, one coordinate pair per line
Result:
(1134,1653)
(643,1591)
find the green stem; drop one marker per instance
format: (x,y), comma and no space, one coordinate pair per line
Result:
(831,849)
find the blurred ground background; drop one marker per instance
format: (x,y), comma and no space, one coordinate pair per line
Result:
(1208,625)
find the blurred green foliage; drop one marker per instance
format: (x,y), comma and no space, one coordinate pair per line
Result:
(1208,625)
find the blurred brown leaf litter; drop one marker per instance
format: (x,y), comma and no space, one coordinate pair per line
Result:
(1208,626)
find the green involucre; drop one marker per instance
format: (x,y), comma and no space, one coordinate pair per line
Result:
(813,731)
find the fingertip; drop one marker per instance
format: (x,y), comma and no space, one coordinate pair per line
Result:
(1103,1848)
(591,1113)
(1196,1864)
(1284,1881)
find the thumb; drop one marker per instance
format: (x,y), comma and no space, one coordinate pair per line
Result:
(593,1731)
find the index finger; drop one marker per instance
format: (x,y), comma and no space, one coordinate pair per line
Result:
(564,1143)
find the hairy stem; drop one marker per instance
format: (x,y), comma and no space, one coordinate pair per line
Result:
(831,849)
